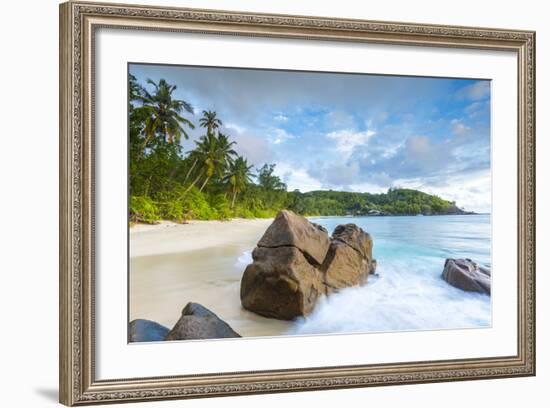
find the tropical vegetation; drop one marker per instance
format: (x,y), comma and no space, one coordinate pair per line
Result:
(174,178)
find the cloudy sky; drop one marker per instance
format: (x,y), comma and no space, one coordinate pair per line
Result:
(349,132)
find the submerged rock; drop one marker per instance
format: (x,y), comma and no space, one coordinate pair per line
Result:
(295,262)
(198,322)
(467,275)
(140,330)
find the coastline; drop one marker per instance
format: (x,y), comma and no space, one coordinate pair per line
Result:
(202,261)
(169,237)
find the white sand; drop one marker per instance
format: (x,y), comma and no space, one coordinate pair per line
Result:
(168,237)
(172,264)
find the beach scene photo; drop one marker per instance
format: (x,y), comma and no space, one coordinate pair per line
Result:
(285,203)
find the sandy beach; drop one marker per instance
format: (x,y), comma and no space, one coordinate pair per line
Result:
(203,261)
(168,237)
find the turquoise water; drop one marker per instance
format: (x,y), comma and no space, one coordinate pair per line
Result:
(408,293)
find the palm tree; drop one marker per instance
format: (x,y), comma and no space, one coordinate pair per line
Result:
(238,177)
(220,157)
(225,149)
(213,154)
(194,157)
(215,158)
(163,114)
(207,156)
(210,121)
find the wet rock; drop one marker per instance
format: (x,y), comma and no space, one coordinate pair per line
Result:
(198,322)
(280,283)
(467,275)
(355,237)
(344,267)
(289,229)
(140,330)
(295,263)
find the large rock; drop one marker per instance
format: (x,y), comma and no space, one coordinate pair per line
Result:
(467,275)
(295,262)
(146,330)
(354,237)
(280,283)
(289,229)
(345,267)
(197,322)
(349,259)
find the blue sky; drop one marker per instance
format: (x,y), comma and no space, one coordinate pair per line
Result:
(347,131)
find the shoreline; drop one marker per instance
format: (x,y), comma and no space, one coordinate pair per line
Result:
(203,261)
(174,264)
(168,237)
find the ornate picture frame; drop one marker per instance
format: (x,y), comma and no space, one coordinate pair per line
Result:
(78,24)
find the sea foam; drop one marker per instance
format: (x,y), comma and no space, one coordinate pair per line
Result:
(401,298)
(408,293)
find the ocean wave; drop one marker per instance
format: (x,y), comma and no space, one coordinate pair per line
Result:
(244,259)
(402,298)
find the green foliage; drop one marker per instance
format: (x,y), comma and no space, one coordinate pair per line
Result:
(267,180)
(220,204)
(162,120)
(143,209)
(394,202)
(197,206)
(211,181)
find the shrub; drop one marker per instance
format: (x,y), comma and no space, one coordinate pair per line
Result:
(258,213)
(243,212)
(196,206)
(221,206)
(143,209)
(171,210)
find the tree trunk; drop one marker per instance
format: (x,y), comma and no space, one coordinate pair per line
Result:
(233,199)
(148,185)
(192,184)
(204,184)
(147,138)
(190,170)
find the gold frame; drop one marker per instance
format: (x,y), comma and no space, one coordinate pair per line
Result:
(78,22)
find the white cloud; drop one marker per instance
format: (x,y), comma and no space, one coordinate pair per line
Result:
(476,91)
(338,175)
(391,150)
(339,119)
(256,149)
(476,109)
(280,136)
(367,188)
(419,146)
(470,191)
(473,107)
(459,128)
(296,178)
(346,139)
(234,126)
(281,118)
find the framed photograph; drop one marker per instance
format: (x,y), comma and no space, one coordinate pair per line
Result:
(256,203)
